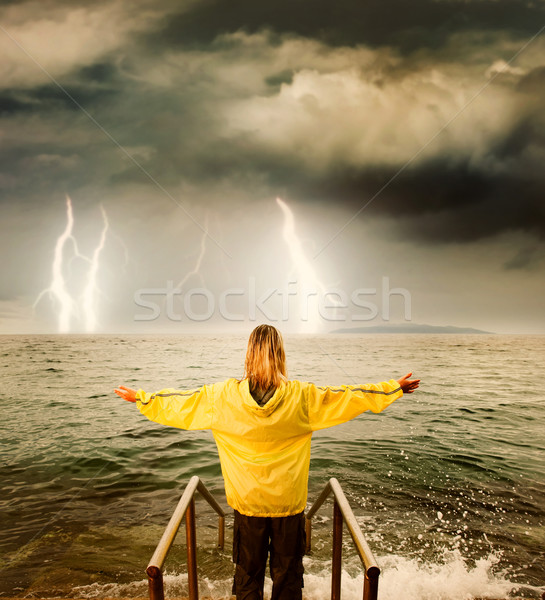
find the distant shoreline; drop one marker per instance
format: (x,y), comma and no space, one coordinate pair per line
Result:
(411,328)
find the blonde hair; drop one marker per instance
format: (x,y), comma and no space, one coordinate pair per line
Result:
(265,364)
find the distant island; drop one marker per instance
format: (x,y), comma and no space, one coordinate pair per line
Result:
(409,328)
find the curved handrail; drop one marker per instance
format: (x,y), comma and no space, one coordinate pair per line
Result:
(185,507)
(343,512)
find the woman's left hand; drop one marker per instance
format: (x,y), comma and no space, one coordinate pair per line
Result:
(408,385)
(126,393)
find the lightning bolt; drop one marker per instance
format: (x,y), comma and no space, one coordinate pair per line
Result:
(89,291)
(308,280)
(196,271)
(300,261)
(58,291)
(197,268)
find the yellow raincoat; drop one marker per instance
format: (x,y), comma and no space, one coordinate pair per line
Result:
(265,450)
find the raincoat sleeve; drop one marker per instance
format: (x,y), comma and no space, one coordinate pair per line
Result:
(328,406)
(186,410)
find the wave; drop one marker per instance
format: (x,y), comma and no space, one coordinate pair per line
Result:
(449,578)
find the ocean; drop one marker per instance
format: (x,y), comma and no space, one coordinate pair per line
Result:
(447,483)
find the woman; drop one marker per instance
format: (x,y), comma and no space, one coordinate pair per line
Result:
(263,426)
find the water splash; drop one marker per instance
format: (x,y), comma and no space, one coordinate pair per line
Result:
(450,578)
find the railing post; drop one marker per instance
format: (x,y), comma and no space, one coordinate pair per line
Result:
(185,507)
(221,532)
(191,537)
(337,552)
(308,535)
(370,584)
(155,583)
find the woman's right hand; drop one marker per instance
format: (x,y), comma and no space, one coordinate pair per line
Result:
(126,393)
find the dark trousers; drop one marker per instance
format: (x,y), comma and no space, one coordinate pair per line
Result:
(253,539)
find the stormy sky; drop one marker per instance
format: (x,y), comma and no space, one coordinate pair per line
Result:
(406,138)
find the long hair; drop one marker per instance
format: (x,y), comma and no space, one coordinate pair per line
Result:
(265,364)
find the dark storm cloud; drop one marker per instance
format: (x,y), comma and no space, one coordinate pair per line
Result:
(407,25)
(171,108)
(227,105)
(534,81)
(449,203)
(527,257)
(10,104)
(45,98)
(442,201)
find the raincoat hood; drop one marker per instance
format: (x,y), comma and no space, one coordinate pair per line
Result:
(267,409)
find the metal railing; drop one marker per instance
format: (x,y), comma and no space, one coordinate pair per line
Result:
(186,506)
(342,511)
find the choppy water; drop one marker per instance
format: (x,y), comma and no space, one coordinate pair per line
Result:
(448,483)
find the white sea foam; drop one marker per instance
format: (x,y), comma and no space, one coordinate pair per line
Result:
(175,585)
(450,578)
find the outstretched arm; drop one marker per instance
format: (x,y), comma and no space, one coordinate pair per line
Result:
(191,409)
(328,406)
(126,393)
(408,385)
